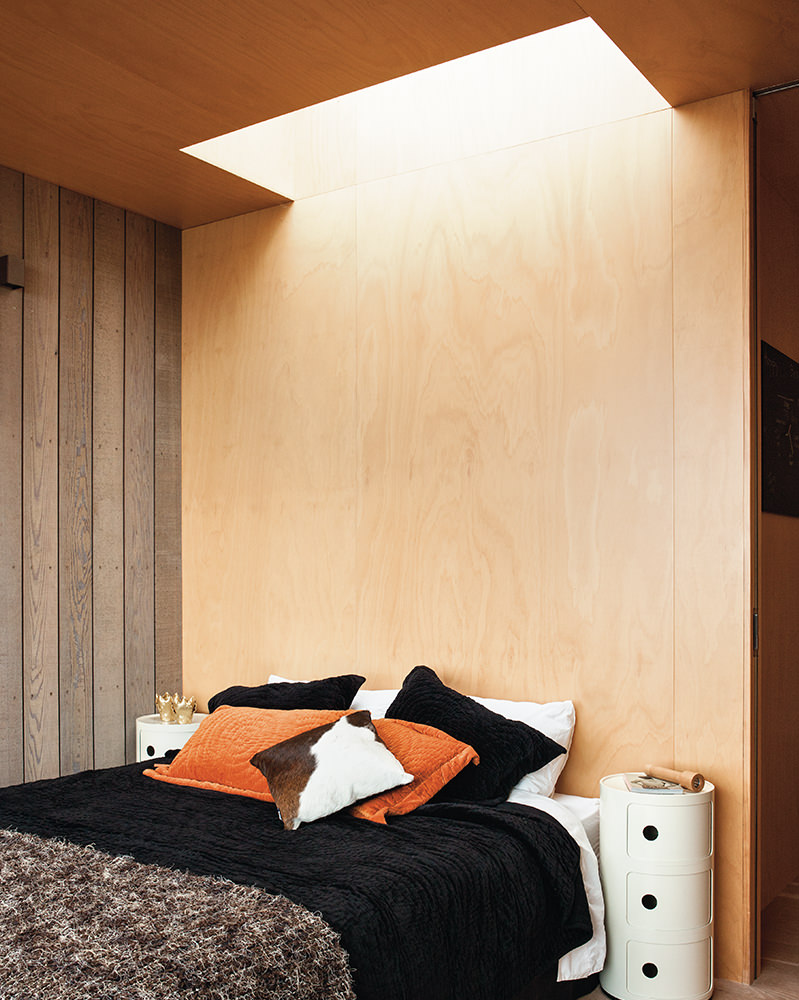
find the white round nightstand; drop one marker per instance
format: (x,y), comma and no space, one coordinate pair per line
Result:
(657,878)
(154,738)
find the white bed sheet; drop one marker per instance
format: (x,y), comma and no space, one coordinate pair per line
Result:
(589,957)
(587,811)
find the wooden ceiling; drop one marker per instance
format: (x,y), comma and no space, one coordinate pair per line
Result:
(100,96)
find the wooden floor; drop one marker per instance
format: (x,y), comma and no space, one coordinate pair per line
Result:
(779,976)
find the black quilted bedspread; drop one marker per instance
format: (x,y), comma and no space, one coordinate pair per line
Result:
(453,902)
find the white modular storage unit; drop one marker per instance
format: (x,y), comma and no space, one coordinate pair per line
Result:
(154,737)
(657,878)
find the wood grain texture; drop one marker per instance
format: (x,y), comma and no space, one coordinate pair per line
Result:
(82,79)
(515,454)
(40,481)
(778,302)
(269,445)
(63,505)
(779,718)
(11,232)
(108,528)
(502,363)
(75,554)
(139,473)
(168,596)
(521,498)
(713,599)
(692,51)
(82,82)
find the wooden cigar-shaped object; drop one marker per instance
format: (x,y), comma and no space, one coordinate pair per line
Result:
(690,780)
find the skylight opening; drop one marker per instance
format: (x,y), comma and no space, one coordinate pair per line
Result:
(562,80)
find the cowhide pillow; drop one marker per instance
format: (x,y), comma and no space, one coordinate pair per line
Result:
(323,770)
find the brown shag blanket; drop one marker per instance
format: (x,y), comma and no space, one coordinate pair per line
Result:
(77,924)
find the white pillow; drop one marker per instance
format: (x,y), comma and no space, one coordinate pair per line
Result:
(376,702)
(323,770)
(554,719)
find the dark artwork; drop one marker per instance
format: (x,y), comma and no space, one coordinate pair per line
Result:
(779,401)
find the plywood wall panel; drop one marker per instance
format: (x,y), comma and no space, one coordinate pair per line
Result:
(139,486)
(516,501)
(514,374)
(510,453)
(11,233)
(75,323)
(40,481)
(108,528)
(168,603)
(712,488)
(269,445)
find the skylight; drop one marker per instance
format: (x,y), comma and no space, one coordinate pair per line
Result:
(569,78)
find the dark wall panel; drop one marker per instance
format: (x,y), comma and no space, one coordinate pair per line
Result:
(89,479)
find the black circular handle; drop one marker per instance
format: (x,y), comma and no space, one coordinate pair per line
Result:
(651,832)
(649,969)
(151,751)
(648,901)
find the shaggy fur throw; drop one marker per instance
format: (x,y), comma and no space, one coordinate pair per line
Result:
(76,924)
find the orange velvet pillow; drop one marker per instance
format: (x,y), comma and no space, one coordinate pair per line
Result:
(430,755)
(217,756)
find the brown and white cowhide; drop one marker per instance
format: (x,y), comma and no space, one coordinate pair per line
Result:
(323,770)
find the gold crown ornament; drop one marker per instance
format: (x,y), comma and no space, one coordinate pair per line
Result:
(184,709)
(174,708)
(165,706)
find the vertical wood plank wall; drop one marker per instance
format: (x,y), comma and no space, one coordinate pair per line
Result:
(492,416)
(90,615)
(11,701)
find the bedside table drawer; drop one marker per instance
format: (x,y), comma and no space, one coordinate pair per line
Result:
(669,902)
(659,834)
(154,738)
(673,971)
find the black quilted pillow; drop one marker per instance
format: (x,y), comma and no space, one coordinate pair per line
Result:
(330,692)
(508,749)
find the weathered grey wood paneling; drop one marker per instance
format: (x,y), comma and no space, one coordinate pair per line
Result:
(75,483)
(11,757)
(40,481)
(139,472)
(89,479)
(108,481)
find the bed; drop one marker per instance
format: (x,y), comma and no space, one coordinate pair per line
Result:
(187,880)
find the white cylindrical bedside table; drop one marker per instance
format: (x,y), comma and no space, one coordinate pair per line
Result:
(154,738)
(656,863)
